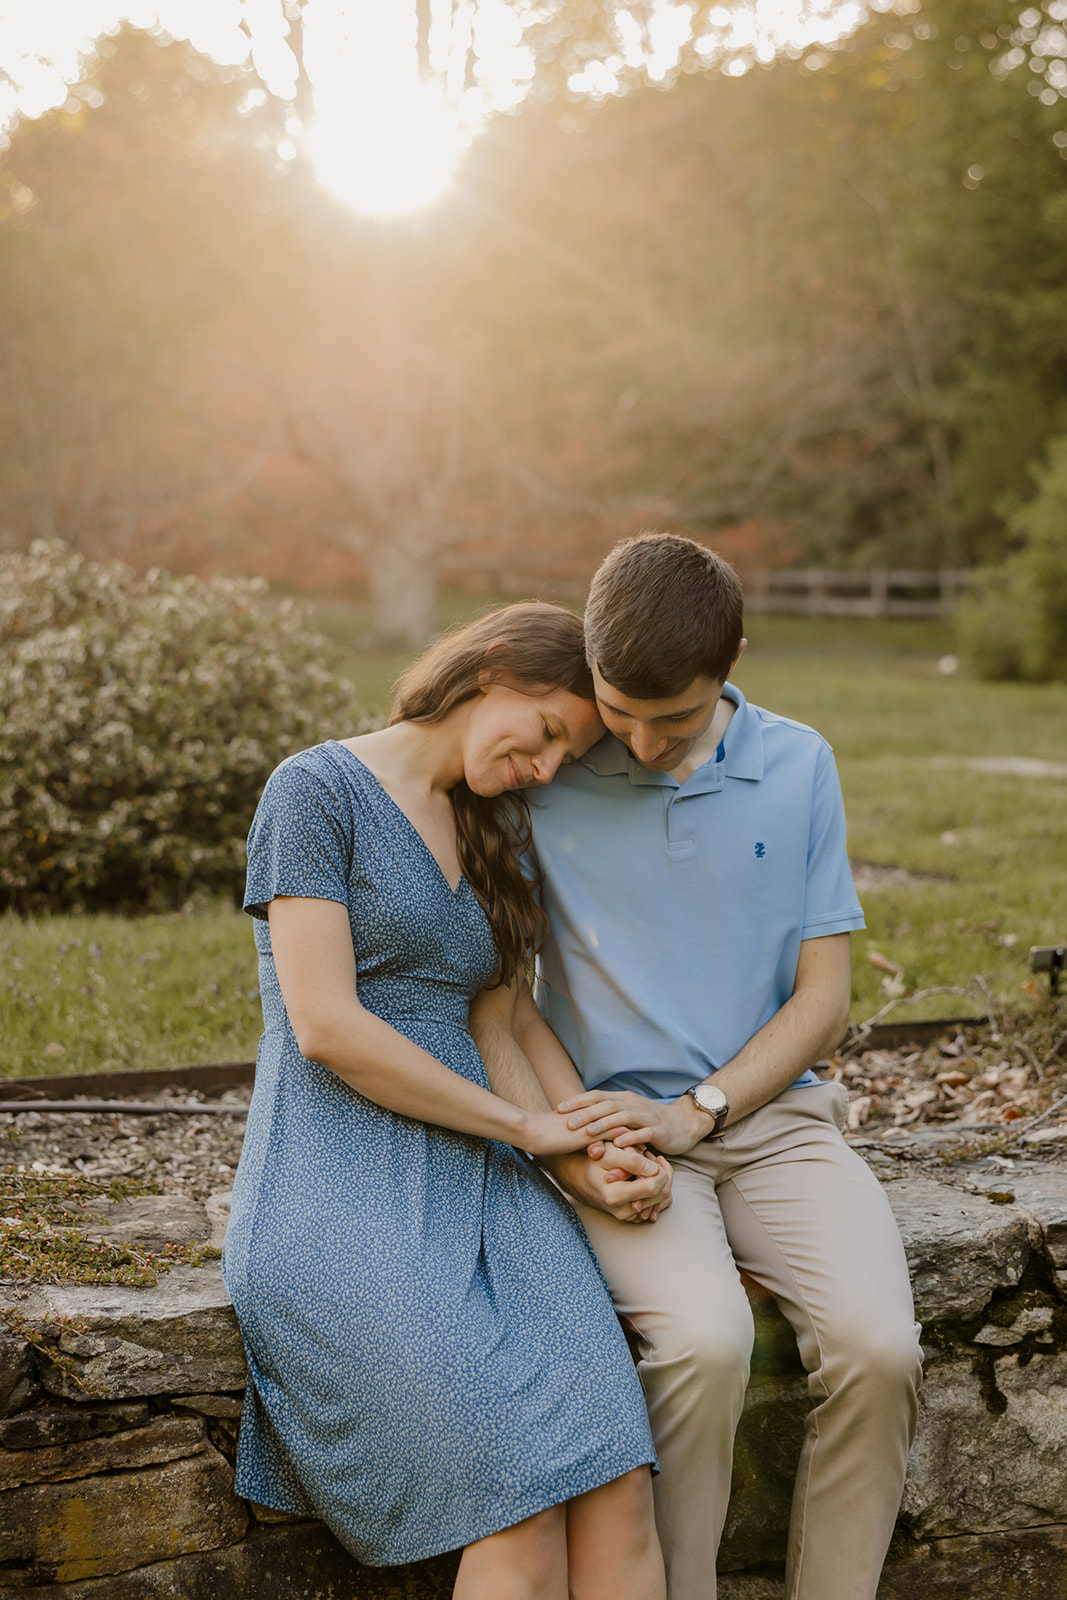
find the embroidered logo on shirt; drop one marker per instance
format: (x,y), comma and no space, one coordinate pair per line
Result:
(761,851)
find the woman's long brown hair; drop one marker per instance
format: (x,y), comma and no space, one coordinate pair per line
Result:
(533,647)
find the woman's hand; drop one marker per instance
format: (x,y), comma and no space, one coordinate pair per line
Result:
(548,1133)
(670,1126)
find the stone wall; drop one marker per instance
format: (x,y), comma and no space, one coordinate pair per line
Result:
(130,1497)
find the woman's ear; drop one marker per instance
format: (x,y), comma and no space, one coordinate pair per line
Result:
(486,675)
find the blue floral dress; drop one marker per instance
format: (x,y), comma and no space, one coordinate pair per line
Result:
(432,1353)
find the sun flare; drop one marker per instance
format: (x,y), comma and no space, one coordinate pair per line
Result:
(385,138)
(382,141)
(386,155)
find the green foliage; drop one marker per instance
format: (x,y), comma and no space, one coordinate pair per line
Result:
(44,1334)
(994,622)
(141,715)
(44,1238)
(130,227)
(1014,625)
(989,875)
(745,283)
(729,306)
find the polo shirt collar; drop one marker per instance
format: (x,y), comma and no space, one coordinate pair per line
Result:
(609,758)
(744,739)
(743,743)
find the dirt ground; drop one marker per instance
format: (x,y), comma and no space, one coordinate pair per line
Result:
(184,1154)
(976,1092)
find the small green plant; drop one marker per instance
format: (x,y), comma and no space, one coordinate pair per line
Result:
(43,1238)
(44,1335)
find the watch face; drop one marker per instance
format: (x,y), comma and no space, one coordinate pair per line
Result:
(710,1098)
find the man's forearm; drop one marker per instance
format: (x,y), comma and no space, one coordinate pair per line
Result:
(517,1045)
(510,1073)
(512,1077)
(811,1021)
(775,1057)
(555,1071)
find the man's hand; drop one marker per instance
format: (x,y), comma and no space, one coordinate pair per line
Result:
(670,1126)
(617,1183)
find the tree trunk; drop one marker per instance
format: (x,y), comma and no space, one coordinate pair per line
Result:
(922,366)
(403,592)
(423,19)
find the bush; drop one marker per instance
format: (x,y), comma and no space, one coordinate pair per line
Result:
(1014,624)
(139,718)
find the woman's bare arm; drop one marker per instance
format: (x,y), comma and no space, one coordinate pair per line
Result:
(316,967)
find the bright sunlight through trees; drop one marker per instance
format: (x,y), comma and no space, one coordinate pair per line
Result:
(390,113)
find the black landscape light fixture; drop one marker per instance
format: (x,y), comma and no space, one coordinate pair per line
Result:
(1049,958)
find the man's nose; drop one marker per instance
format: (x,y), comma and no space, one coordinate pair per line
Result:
(645,744)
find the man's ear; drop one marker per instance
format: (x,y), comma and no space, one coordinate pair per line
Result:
(740,652)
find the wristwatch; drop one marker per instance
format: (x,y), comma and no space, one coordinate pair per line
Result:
(713,1102)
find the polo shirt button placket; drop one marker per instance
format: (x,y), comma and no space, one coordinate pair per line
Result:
(680,840)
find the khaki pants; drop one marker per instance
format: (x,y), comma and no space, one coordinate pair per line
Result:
(781,1196)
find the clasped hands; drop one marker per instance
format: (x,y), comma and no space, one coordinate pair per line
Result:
(600,1153)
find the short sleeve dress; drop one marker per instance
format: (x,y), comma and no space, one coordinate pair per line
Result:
(432,1353)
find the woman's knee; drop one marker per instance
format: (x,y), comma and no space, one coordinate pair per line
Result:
(629,1497)
(543,1531)
(527,1561)
(613,1547)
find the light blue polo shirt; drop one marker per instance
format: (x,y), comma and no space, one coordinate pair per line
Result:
(677,911)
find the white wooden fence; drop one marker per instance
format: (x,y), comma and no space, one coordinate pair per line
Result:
(804,591)
(878,592)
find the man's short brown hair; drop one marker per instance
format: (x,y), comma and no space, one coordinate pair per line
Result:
(662,611)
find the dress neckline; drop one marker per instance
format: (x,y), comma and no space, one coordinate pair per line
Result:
(398,808)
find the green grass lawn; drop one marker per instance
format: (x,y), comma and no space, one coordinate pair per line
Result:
(989,854)
(100,993)
(991,849)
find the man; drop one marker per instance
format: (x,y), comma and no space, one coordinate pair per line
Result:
(700,905)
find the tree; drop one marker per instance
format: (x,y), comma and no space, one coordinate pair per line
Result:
(112,270)
(848,280)
(1014,624)
(729,307)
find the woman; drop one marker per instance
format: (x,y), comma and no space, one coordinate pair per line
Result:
(433,1359)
